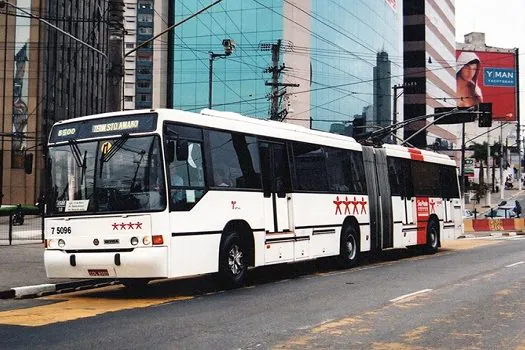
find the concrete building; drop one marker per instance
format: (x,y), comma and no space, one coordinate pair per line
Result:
(382,90)
(46,77)
(145,70)
(20,102)
(429,61)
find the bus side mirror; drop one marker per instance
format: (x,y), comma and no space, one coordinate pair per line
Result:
(170,151)
(182,150)
(28,163)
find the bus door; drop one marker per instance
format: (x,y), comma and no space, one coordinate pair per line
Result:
(387,220)
(407,193)
(373,197)
(276,186)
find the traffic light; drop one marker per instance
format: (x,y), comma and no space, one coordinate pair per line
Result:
(485,115)
(453,118)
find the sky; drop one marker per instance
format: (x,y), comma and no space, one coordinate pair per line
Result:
(502,22)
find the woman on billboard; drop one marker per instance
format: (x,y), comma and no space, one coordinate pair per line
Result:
(468,91)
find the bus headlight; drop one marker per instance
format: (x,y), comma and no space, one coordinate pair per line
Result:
(146,240)
(61,243)
(52,244)
(134,241)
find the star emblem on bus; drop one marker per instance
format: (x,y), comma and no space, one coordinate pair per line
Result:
(127,226)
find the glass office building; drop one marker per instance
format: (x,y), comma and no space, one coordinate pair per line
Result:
(333,60)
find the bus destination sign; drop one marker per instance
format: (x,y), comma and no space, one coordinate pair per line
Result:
(119,126)
(106,126)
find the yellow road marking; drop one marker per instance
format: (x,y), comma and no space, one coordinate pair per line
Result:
(464,244)
(78,305)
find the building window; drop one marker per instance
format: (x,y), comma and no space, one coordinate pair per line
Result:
(144,97)
(145,84)
(144,71)
(146,5)
(145,57)
(130,45)
(147,18)
(128,98)
(148,45)
(145,30)
(130,19)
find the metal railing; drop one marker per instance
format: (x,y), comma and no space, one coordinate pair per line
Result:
(21,226)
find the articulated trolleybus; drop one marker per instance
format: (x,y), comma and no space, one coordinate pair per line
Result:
(142,195)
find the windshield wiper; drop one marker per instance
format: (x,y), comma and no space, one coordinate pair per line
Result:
(77,155)
(142,153)
(114,149)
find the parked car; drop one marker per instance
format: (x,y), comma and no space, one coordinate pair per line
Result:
(505,212)
(468,214)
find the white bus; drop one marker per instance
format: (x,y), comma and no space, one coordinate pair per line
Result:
(142,195)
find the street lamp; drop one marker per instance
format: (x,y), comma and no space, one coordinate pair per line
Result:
(229,46)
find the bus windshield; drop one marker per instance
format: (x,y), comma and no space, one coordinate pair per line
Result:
(124,174)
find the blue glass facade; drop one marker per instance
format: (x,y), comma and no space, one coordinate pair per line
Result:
(344,53)
(344,37)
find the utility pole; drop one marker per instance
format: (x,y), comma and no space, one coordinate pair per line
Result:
(489,192)
(463,182)
(275,95)
(115,53)
(275,80)
(501,183)
(518,114)
(395,96)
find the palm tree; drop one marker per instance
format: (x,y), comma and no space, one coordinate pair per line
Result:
(480,154)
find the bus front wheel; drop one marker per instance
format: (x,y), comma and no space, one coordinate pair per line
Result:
(349,249)
(233,266)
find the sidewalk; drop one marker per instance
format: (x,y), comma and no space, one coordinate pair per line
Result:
(23,267)
(495,200)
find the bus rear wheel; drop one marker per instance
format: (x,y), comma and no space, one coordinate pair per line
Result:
(233,267)
(349,249)
(432,245)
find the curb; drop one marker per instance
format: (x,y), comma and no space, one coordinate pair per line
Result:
(39,290)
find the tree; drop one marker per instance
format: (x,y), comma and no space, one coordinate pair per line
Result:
(480,155)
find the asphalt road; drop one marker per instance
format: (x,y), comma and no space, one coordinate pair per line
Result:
(469,298)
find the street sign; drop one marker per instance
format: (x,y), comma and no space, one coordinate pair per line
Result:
(469,167)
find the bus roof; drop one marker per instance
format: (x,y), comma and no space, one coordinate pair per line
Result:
(223,120)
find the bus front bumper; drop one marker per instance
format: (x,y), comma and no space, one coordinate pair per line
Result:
(151,262)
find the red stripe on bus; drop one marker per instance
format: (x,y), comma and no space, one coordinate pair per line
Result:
(422,213)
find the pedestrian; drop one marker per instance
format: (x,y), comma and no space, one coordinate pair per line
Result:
(517,208)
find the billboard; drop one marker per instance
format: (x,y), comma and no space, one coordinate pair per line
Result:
(487,77)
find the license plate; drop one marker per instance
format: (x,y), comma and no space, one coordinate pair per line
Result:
(99,272)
